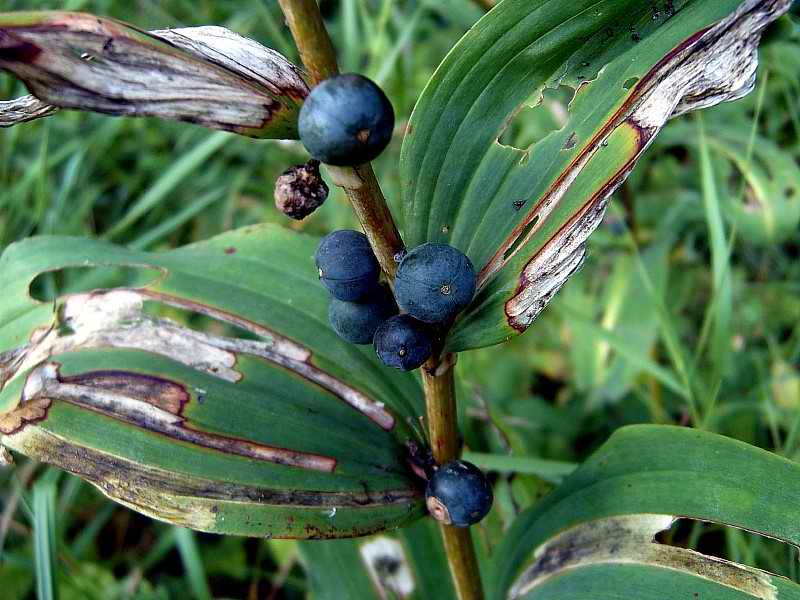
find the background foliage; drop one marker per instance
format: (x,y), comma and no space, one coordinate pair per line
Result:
(633,338)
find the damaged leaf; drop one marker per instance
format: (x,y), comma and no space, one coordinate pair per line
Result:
(24,109)
(204,75)
(523,215)
(243,413)
(407,565)
(594,537)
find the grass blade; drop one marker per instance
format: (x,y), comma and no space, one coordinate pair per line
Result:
(171,179)
(192,563)
(44,529)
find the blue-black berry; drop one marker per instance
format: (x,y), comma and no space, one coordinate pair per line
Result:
(346,120)
(357,322)
(435,282)
(403,342)
(347,266)
(459,494)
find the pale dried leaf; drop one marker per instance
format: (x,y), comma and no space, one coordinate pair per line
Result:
(205,75)
(21,110)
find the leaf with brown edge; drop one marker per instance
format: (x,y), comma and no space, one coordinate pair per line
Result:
(262,422)
(204,75)
(523,215)
(594,537)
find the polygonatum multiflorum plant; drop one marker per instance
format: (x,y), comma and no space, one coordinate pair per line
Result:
(322,402)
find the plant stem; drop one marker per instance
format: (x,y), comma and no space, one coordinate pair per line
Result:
(359,183)
(440,397)
(312,39)
(369,204)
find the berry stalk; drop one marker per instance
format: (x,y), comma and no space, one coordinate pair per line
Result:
(359,183)
(440,398)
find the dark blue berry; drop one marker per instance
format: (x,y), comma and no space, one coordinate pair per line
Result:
(403,342)
(347,266)
(459,494)
(346,120)
(357,322)
(435,282)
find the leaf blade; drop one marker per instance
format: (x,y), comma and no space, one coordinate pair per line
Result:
(523,215)
(205,75)
(273,426)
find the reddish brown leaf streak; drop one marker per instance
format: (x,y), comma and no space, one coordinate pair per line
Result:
(302,353)
(99,468)
(14,49)
(117,390)
(161,393)
(27,414)
(291,355)
(643,138)
(637,93)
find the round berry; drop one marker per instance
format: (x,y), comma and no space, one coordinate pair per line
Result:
(346,120)
(357,322)
(435,282)
(403,342)
(347,266)
(459,494)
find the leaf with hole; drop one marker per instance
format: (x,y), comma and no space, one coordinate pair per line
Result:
(523,215)
(210,391)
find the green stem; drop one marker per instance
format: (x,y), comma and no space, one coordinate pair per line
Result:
(359,183)
(440,398)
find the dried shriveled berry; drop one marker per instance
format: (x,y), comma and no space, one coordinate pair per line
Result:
(357,322)
(403,342)
(300,190)
(459,494)
(346,120)
(435,282)
(347,266)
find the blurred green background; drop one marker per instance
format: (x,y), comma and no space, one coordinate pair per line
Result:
(687,311)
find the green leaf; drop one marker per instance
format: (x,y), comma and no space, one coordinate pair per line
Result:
(242,413)
(44,536)
(523,215)
(205,75)
(602,521)
(410,564)
(192,563)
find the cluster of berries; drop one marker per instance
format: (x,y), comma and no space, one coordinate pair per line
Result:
(434,283)
(346,121)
